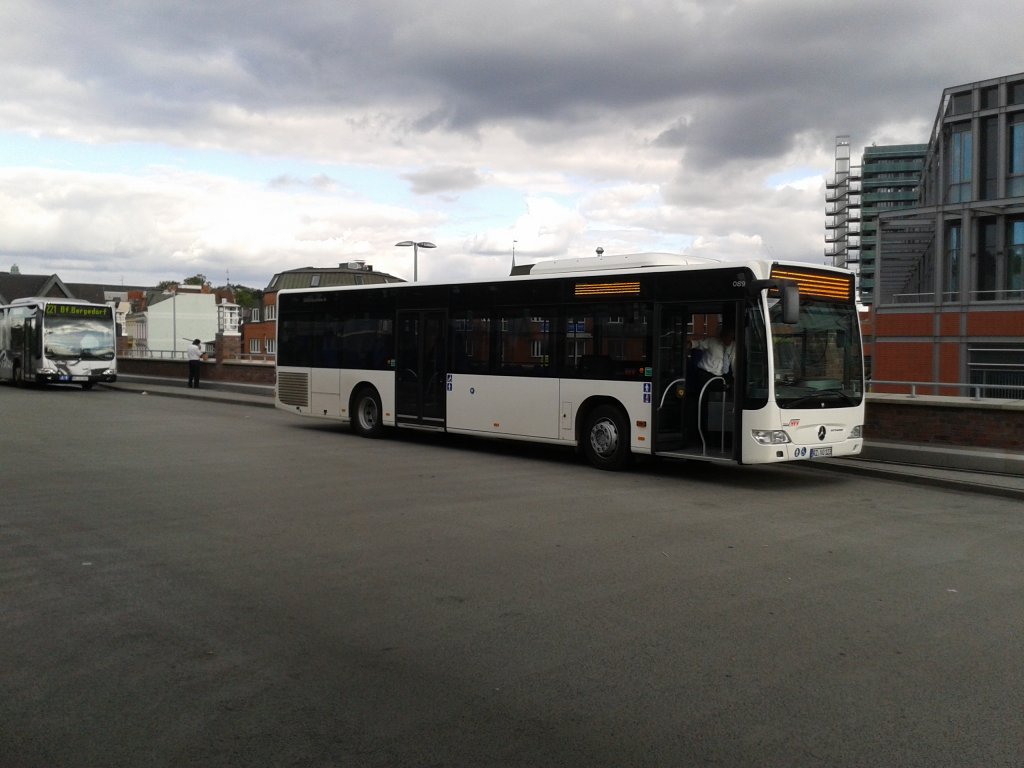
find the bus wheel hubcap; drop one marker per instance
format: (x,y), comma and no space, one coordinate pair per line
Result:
(604,438)
(368,414)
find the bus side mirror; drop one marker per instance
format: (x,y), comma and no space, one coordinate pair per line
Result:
(789,294)
(790,303)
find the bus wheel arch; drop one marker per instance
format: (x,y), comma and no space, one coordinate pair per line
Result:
(366,411)
(603,434)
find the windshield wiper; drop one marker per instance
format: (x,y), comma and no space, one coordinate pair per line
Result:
(821,394)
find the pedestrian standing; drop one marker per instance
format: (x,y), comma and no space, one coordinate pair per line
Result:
(195,356)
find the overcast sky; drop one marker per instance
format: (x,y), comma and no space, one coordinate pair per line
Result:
(144,140)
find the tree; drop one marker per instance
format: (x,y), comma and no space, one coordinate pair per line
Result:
(247,297)
(197,279)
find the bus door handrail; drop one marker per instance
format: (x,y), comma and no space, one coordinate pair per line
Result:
(671,384)
(700,408)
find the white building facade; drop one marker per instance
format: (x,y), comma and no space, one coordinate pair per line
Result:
(175,319)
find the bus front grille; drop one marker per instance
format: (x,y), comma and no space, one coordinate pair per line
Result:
(293,388)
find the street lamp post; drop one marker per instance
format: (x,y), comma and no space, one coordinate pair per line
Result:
(415,255)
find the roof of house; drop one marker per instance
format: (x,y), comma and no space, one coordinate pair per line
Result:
(17,286)
(354,273)
(99,293)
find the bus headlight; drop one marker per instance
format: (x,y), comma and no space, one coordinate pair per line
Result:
(770,436)
(857,432)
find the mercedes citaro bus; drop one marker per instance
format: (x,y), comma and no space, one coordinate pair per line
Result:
(57,341)
(598,353)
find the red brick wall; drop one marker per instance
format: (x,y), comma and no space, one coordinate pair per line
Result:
(928,422)
(908,324)
(233,371)
(896,356)
(902,361)
(995,323)
(949,324)
(949,368)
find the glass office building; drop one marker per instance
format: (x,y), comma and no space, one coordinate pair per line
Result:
(949,269)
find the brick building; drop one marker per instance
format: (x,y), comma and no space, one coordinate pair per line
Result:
(259,331)
(949,285)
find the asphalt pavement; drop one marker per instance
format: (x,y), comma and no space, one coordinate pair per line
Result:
(962,468)
(193,583)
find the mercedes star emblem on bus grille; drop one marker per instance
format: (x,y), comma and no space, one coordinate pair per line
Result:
(821,432)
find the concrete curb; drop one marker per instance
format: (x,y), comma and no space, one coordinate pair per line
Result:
(1005,486)
(208,394)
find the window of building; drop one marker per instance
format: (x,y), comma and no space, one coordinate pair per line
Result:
(1015,93)
(314,281)
(271,346)
(960,152)
(959,104)
(990,158)
(990,97)
(1015,169)
(951,283)
(271,311)
(995,367)
(1014,281)
(254,315)
(254,346)
(986,279)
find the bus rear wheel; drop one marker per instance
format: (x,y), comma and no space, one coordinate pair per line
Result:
(606,438)
(366,413)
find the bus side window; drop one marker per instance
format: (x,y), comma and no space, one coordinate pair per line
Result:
(525,344)
(470,334)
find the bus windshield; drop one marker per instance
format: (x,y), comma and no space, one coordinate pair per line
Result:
(78,338)
(818,361)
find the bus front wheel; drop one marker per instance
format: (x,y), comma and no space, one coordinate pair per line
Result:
(606,438)
(366,413)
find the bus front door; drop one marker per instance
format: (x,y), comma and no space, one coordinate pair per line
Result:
(420,368)
(694,410)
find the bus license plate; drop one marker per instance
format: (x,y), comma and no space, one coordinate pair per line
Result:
(79,378)
(816,452)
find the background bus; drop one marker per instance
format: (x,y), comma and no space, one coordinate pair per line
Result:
(594,353)
(57,341)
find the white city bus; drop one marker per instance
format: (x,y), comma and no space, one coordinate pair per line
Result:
(596,353)
(57,341)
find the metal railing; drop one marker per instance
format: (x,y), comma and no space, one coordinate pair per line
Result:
(154,354)
(952,297)
(974,390)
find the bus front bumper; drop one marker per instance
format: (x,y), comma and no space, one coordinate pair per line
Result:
(757,452)
(50,376)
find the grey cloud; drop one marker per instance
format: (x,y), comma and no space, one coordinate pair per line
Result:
(568,65)
(716,87)
(320,182)
(440,179)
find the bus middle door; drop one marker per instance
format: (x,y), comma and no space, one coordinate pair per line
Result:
(671,328)
(420,365)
